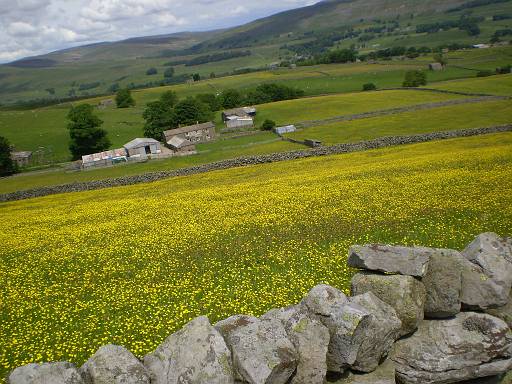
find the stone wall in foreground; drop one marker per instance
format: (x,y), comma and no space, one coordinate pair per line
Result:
(416,315)
(253,160)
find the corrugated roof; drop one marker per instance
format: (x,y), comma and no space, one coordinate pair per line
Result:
(177,131)
(140,142)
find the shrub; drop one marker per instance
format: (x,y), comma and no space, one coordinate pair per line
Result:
(169,72)
(369,87)
(268,125)
(484,73)
(151,71)
(504,70)
(414,79)
(124,99)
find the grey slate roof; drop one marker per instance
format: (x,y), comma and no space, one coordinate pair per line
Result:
(177,131)
(178,142)
(140,142)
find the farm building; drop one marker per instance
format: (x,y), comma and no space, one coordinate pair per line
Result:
(239,123)
(22,158)
(435,66)
(104,159)
(181,147)
(198,133)
(142,147)
(312,143)
(285,129)
(231,114)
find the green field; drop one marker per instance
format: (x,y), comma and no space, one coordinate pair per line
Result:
(286,112)
(46,127)
(485,114)
(495,85)
(324,107)
(130,265)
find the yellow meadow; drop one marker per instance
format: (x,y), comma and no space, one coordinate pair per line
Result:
(131,265)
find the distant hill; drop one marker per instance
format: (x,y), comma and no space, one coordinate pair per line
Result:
(364,24)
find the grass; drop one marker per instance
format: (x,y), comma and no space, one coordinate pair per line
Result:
(46,127)
(318,108)
(495,85)
(227,149)
(483,114)
(130,265)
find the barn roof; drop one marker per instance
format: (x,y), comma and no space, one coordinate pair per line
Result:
(240,111)
(140,142)
(178,142)
(188,128)
(21,154)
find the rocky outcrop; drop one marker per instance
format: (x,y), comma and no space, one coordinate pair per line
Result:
(362,329)
(384,374)
(390,259)
(487,274)
(443,283)
(504,313)
(404,293)
(310,339)
(195,354)
(113,364)
(471,345)
(262,352)
(46,373)
(343,339)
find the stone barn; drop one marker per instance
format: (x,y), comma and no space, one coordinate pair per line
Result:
(231,114)
(198,133)
(181,147)
(435,66)
(22,158)
(142,147)
(236,123)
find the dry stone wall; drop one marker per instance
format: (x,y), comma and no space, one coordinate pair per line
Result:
(415,315)
(382,142)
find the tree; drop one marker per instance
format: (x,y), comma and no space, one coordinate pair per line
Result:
(196,77)
(231,98)
(414,79)
(151,71)
(439,58)
(191,111)
(169,72)
(124,98)
(7,165)
(84,130)
(159,117)
(268,125)
(169,98)
(210,99)
(369,87)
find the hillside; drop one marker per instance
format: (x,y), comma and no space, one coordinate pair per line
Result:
(365,24)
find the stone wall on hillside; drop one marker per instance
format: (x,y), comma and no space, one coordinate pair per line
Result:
(381,142)
(415,315)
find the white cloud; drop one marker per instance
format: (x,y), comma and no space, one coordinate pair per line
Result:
(32,27)
(21,29)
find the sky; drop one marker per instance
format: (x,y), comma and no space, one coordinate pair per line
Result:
(33,27)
